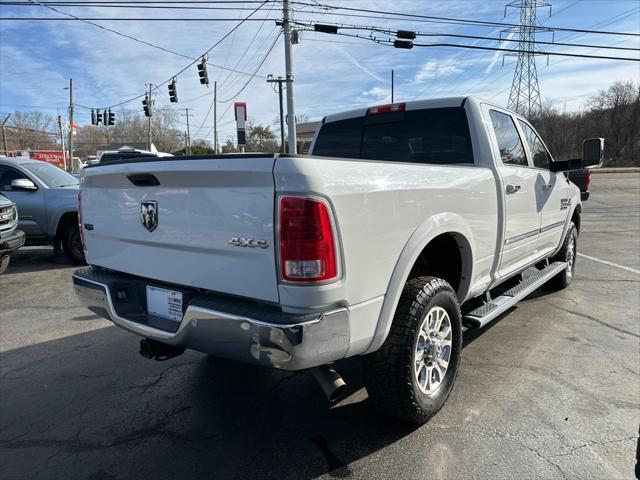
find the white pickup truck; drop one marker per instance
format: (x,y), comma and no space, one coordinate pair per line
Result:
(408,224)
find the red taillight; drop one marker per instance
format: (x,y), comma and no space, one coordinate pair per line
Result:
(80,218)
(588,179)
(392,107)
(307,246)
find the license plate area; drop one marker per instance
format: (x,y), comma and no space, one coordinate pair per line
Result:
(164,303)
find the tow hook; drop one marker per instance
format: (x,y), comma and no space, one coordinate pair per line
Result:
(158,351)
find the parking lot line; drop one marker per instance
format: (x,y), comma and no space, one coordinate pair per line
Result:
(629,269)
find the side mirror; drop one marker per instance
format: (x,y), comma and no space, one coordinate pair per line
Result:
(593,152)
(23,184)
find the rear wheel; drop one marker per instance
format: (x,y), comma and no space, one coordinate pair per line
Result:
(4,263)
(411,376)
(566,254)
(72,243)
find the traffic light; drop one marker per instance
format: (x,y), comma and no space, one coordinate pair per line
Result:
(105,118)
(173,93)
(93,117)
(111,118)
(98,117)
(202,72)
(146,106)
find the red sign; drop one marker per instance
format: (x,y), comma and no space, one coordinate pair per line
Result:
(74,130)
(54,157)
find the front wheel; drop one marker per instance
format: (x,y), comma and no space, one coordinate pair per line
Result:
(411,376)
(72,243)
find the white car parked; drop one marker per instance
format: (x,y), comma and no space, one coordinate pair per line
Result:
(408,223)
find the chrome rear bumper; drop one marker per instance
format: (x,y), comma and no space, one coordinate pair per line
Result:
(288,341)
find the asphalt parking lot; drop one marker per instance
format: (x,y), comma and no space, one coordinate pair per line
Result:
(550,390)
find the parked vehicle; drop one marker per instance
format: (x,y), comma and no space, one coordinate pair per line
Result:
(127,154)
(582,179)
(47,199)
(409,221)
(11,238)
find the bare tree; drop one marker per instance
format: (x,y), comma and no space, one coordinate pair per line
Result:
(30,131)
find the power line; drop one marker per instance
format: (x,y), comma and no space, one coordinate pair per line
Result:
(118,6)
(407,44)
(133,19)
(202,56)
(456,20)
(130,37)
(224,82)
(454,35)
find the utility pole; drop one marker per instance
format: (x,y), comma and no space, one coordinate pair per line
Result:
(288,60)
(62,141)
(149,122)
(279,81)
(70,165)
(391,85)
(4,134)
(188,145)
(215,117)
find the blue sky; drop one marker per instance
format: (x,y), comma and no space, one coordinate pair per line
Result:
(331,73)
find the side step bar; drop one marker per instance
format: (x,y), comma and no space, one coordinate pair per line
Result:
(484,314)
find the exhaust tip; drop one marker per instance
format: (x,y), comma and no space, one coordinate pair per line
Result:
(158,351)
(338,393)
(330,382)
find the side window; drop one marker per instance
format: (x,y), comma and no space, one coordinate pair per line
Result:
(509,143)
(340,139)
(541,157)
(7,175)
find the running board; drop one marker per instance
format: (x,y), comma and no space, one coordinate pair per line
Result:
(484,314)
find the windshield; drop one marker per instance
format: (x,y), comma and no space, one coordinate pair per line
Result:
(435,136)
(51,176)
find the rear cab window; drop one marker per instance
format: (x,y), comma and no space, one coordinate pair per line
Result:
(436,136)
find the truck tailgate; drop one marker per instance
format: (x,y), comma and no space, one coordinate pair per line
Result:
(201,205)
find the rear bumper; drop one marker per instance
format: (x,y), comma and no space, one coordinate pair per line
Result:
(12,242)
(234,329)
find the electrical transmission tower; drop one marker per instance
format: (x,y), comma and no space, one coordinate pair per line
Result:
(524,97)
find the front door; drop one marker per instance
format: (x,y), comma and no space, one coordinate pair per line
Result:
(554,192)
(30,203)
(520,193)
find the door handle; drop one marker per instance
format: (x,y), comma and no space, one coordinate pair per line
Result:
(512,188)
(547,186)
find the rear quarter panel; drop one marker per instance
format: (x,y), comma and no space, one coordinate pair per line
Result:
(386,212)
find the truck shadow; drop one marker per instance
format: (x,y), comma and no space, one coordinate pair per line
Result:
(88,406)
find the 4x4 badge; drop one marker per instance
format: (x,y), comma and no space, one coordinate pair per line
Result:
(149,214)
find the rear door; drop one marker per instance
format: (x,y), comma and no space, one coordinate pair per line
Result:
(205,222)
(521,199)
(553,191)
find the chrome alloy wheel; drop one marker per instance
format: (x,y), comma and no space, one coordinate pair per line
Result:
(571,255)
(433,350)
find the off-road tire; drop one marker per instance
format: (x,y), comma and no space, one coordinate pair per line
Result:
(72,244)
(4,263)
(567,254)
(389,372)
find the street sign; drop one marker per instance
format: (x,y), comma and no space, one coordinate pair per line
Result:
(240,109)
(74,131)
